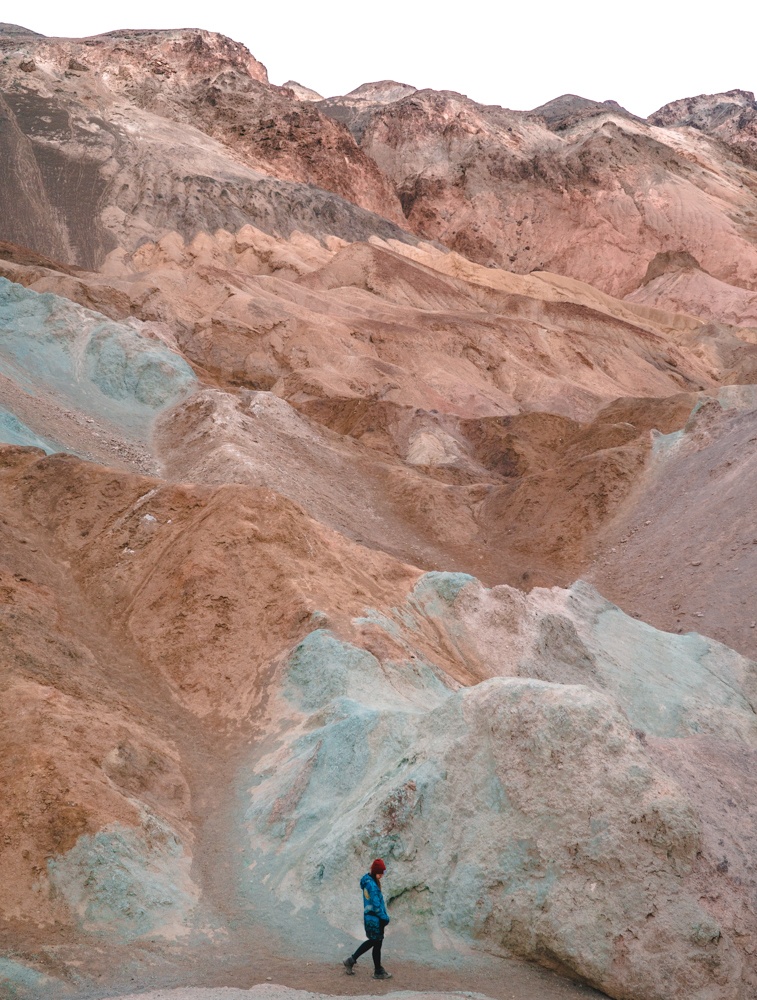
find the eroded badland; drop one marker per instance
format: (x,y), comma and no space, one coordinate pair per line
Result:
(379,479)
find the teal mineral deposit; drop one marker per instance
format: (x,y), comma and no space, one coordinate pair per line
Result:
(91,365)
(433,588)
(19,982)
(13,431)
(323,667)
(127,882)
(520,813)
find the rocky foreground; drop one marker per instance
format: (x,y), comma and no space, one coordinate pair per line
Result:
(376,479)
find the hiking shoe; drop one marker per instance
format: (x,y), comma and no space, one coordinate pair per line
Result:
(382,974)
(348,964)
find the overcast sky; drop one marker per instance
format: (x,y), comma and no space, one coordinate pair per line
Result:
(642,54)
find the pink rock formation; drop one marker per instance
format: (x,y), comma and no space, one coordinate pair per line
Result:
(575,187)
(731,117)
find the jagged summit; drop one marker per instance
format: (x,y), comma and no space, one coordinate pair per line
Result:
(302,93)
(143,34)
(730,116)
(569,109)
(687,107)
(382,91)
(421,159)
(142,56)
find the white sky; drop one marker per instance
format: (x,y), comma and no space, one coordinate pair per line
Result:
(642,54)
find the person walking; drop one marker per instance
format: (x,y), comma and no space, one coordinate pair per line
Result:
(375,919)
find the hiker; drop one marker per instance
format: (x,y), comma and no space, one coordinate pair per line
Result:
(375,919)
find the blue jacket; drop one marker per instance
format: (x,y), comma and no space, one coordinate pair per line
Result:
(375,916)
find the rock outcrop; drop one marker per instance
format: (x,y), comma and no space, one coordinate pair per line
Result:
(81,383)
(444,729)
(565,188)
(302,93)
(698,491)
(459,790)
(731,117)
(152,131)
(131,133)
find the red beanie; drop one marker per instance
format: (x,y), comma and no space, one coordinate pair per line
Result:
(378,867)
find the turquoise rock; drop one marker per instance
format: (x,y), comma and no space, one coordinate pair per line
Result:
(125,883)
(523,814)
(13,431)
(86,363)
(20,982)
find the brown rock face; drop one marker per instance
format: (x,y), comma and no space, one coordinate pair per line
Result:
(100,129)
(292,141)
(302,93)
(411,327)
(132,134)
(105,663)
(406,382)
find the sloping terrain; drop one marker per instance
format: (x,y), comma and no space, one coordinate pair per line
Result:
(329,431)
(730,117)
(689,289)
(576,187)
(93,159)
(370,690)
(683,556)
(83,382)
(375,429)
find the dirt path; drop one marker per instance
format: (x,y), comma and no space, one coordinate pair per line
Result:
(501,979)
(273,991)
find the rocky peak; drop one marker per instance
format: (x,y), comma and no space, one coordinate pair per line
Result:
(302,93)
(356,109)
(698,109)
(195,51)
(730,116)
(188,54)
(380,92)
(570,109)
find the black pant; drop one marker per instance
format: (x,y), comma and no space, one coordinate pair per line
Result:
(366,946)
